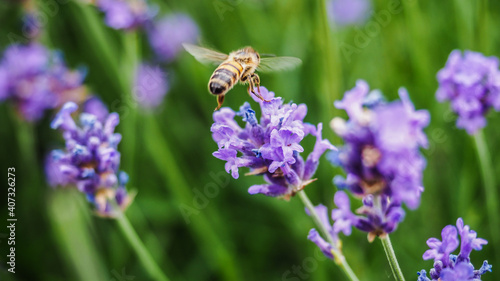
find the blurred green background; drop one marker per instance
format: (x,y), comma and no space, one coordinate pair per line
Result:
(236,236)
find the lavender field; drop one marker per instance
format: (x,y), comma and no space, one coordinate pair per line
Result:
(357,140)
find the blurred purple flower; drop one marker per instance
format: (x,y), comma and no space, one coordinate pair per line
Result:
(167,35)
(349,12)
(36,79)
(381,158)
(4,84)
(90,161)
(270,147)
(96,107)
(448,267)
(126,14)
(150,86)
(472,85)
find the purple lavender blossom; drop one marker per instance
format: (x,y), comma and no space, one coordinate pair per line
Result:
(126,14)
(349,12)
(96,107)
(472,85)
(375,224)
(324,246)
(448,267)
(36,79)
(150,86)
(90,161)
(441,250)
(381,158)
(315,237)
(343,217)
(270,147)
(168,34)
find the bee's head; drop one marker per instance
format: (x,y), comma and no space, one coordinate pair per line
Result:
(247,55)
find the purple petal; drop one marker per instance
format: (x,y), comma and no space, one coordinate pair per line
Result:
(320,147)
(63,119)
(352,102)
(324,246)
(96,107)
(272,190)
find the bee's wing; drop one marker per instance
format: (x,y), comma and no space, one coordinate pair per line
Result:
(278,63)
(205,55)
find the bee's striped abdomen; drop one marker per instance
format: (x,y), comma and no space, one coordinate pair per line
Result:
(224,77)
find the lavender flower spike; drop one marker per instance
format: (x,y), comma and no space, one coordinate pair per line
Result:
(270,146)
(150,86)
(36,79)
(126,14)
(471,82)
(349,12)
(448,267)
(95,106)
(90,160)
(167,35)
(381,158)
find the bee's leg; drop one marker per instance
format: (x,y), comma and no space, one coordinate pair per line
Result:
(248,79)
(220,101)
(251,89)
(254,82)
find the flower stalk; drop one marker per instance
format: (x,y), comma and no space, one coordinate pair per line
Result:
(391,257)
(175,181)
(144,256)
(329,47)
(337,254)
(489,186)
(482,25)
(26,137)
(88,21)
(131,54)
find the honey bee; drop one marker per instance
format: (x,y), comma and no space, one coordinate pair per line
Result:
(239,66)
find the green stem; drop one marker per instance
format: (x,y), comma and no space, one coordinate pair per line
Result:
(44,37)
(95,33)
(418,43)
(339,257)
(68,214)
(391,257)
(464,24)
(129,124)
(489,187)
(131,54)
(202,221)
(144,256)
(26,138)
(331,80)
(482,26)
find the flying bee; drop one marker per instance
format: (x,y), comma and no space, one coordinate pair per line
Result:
(239,66)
